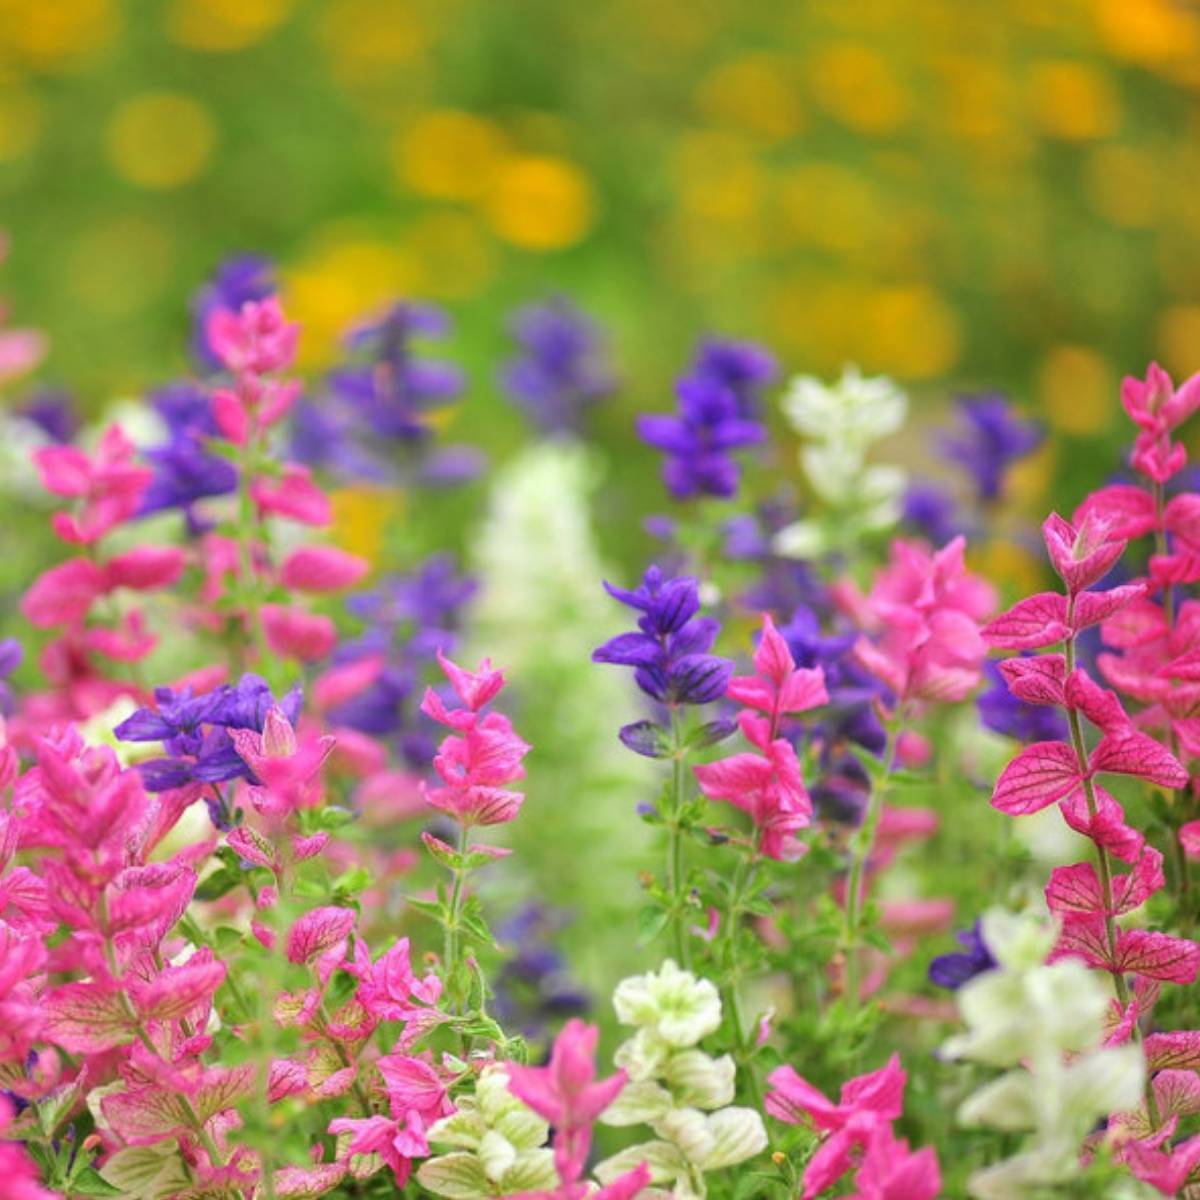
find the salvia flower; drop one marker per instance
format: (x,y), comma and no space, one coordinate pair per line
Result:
(669,653)
(954,969)
(235,281)
(990,439)
(713,420)
(561,370)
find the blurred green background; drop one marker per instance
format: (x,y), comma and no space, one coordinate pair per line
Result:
(958,194)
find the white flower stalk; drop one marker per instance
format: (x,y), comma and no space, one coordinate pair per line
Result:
(499,1146)
(1045,1024)
(841,423)
(683,1094)
(540,600)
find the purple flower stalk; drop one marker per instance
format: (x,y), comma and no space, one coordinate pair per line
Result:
(561,369)
(955,969)
(717,402)
(1002,712)
(991,437)
(11,655)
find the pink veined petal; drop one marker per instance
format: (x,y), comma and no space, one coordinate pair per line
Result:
(1138,754)
(1139,623)
(318,931)
(772,659)
(791,1098)
(1128,509)
(145,568)
(1093,607)
(1158,956)
(1177,1093)
(1036,680)
(731,778)
(1037,621)
(177,990)
(1107,828)
(1098,704)
(1182,517)
(1042,773)
(322,569)
(880,1092)
(752,692)
(1177,1048)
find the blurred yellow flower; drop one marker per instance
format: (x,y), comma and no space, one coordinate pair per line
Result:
(756,93)
(541,202)
(1146,31)
(858,87)
(449,154)
(368,37)
(910,332)
(20,122)
(1179,340)
(222,25)
(345,278)
(52,35)
(1015,569)
(160,139)
(361,515)
(1072,100)
(1077,390)
(827,205)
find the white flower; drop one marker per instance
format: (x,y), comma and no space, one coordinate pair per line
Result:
(676,1007)
(855,411)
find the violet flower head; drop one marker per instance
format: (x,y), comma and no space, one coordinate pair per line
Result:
(54,413)
(237,280)
(184,470)
(991,437)
(669,652)
(535,987)
(561,370)
(930,510)
(1002,712)
(745,368)
(11,655)
(959,967)
(713,420)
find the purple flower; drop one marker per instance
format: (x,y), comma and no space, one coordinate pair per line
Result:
(184,471)
(11,655)
(930,510)
(955,969)
(716,405)
(561,370)
(1001,712)
(991,437)
(237,280)
(745,368)
(535,987)
(194,731)
(669,653)
(53,413)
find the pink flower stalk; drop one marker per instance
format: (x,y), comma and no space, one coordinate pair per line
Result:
(388,988)
(567,1094)
(108,485)
(292,494)
(294,633)
(475,766)
(767,784)
(287,768)
(322,569)
(868,1105)
(257,338)
(928,606)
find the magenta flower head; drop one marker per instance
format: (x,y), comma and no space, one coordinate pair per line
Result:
(1083,554)
(567,1094)
(257,338)
(476,766)
(1157,408)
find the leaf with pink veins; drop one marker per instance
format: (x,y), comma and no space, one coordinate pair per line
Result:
(1093,607)
(1107,827)
(1036,680)
(1037,621)
(1128,509)
(321,936)
(1075,891)
(87,1018)
(1082,554)
(1099,705)
(1041,774)
(1139,755)
(1176,1048)
(177,990)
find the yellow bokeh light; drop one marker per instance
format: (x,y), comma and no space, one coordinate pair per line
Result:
(1179,340)
(366,37)
(224,25)
(1146,31)
(756,93)
(541,202)
(55,34)
(160,139)
(340,282)
(911,332)
(361,515)
(826,205)
(449,154)
(1072,100)
(858,87)
(1077,390)
(455,256)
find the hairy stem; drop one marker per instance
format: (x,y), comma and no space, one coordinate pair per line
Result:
(675,867)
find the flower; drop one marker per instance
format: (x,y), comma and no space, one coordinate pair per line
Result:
(955,969)
(992,437)
(713,420)
(234,282)
(669,654)
(672,1006)
(254,337)
(567,1094)
(561,371)
(1001,711)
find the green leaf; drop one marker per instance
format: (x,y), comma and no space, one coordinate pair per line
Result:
(430,908)
(146,1172)
(89,1182)
(651,921)
(216,885)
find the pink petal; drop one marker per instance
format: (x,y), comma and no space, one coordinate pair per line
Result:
(1038,621)
(1039,775)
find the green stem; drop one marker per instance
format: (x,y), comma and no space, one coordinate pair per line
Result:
(675,866)
(861,846)
(742,1041)
(452,946)
(248,582)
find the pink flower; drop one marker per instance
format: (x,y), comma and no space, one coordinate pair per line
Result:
(768,787)
(384,1136)
(108,485)
(64,594)
(287,770)
(322,569)
(320,937)
(415,1087)
(475,766)
(257,338)
(929,607)
(778,687)
(567,1094)
(293,633)
(292,494)
(1084,555)
(388,988)
(145,568)
(890,1172)
(1158,409)
(867,1104)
